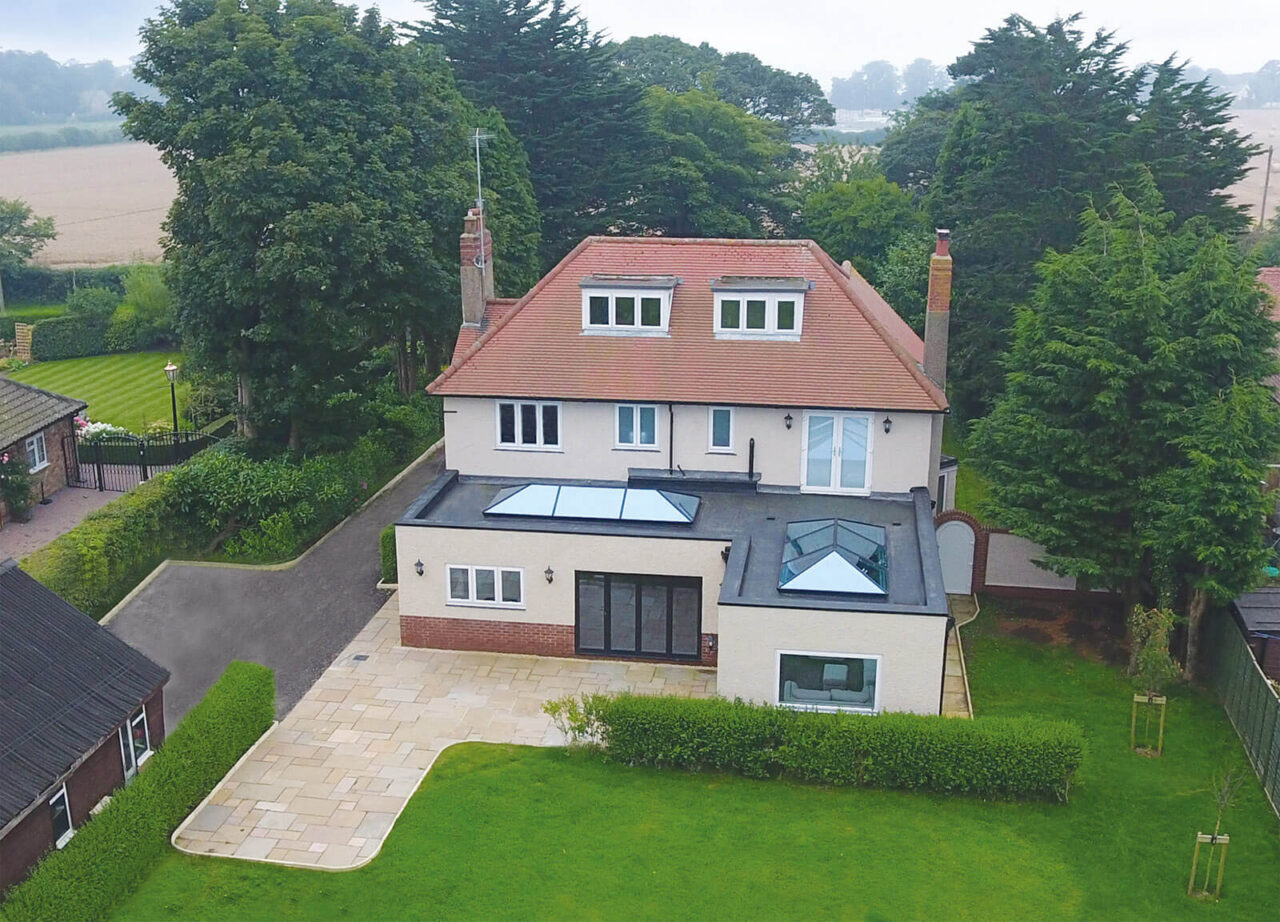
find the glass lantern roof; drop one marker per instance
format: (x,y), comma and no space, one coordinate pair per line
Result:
(622,504)
(834,555)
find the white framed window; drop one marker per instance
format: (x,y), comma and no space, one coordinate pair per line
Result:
(813,681)
(636,426)
(60,814)
(750,315)
(487,587)
(37,456)
(720,430)
(639,311)
(531,425)
(835,453)
(135,742)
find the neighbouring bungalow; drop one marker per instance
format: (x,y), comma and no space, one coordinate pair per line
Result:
(717,452)
(80,714)
(37,425)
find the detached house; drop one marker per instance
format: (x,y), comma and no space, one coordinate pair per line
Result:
(719,452)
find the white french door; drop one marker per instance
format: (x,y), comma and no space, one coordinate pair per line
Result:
(836,454)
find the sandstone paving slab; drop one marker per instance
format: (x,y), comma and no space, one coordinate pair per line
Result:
(324,787)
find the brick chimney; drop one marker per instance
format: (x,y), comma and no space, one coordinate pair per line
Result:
(477,267)
(937,327)
(937,318)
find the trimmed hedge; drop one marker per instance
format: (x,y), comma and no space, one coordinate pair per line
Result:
(387,554)
(112,853)
(97,563)
(70,336)
(42,285)
(994,757)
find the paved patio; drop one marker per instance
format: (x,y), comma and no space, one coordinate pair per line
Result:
(66,509)
(325,786)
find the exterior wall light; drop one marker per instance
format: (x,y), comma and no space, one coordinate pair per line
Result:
(787,419)
(418,567)
(549,573)
(888,424)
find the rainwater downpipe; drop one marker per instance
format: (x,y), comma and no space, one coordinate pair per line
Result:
(671,439)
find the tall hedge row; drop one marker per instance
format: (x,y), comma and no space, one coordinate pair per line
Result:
(95,564)
(42,285)
(114,851)
(70,336)
(993,757)
(387,554)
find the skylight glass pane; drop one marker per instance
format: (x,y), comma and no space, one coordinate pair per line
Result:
(589,503)
(833,573)
(624,312)
(534,499)
(651,506)
(730,314)
(833,555)
(650,312)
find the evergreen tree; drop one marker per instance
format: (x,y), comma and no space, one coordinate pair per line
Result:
(860,220)
(1111,444)
(556,84)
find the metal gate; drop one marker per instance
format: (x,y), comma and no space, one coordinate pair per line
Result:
(121,462)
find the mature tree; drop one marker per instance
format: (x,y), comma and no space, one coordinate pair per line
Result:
(873,86)
(715,171)
(903,276)
(909,154)
(22,235)
(830,163)
(35,89)
(922,76)
(322,170)
(1116,368)
(557,86)
(1047,119)
(859,220)
(795,101)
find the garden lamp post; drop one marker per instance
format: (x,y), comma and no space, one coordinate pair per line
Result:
(171,372)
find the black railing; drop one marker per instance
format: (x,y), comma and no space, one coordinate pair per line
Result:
(121,462)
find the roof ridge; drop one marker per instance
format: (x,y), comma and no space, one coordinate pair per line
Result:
(714,241)
(506,318)
(895,345)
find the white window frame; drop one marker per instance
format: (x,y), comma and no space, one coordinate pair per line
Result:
(613,328)
(471,601)
(517,445)
(125,733)
(62,840)
(832,708)
(770,331)
(836,439)
(712,447)
(37,453)
(637,445)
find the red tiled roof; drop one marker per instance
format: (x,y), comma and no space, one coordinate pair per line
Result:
(854,350)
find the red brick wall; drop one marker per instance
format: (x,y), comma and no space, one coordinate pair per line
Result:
(504,637)
(97,776)
(52,477)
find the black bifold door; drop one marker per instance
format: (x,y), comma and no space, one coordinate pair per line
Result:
(623,614)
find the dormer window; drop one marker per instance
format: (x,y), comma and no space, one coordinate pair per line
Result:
(759,308)
(627,305)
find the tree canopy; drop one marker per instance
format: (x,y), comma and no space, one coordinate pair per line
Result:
(860,220)
(557,86)
(323,170)
(22,235)
(1135,426)
(795,101)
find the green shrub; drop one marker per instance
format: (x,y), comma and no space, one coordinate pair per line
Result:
(114,851)
(42,285)
(387,553)
(144,319)
(70,336)
(985,757)
(97,563)
(93,302)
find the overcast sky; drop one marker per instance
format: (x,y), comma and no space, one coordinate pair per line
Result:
(826,38)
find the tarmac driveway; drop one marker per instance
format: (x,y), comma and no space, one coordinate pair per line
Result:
(194,619)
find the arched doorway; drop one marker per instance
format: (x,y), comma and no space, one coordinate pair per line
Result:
(956,542)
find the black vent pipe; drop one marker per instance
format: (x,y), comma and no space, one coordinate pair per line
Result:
(751,459)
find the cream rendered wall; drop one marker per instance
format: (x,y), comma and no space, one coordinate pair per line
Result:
(544,603)
(899,459)
(911,648)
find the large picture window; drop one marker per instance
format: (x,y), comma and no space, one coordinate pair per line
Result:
(823,681)
(620,614)
(531,425)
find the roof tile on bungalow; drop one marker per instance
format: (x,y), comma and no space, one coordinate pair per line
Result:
(854,350)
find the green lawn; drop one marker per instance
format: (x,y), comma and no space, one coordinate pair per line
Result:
(129,389)
(971,488)
(504,832)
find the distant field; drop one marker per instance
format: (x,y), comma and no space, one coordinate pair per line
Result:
(1264,126)
(88,124)
(107,201)
(129,390)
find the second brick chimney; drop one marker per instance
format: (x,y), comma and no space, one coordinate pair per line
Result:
(476,271)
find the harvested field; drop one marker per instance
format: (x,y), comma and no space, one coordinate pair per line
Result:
(107,200)
(1264,126)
